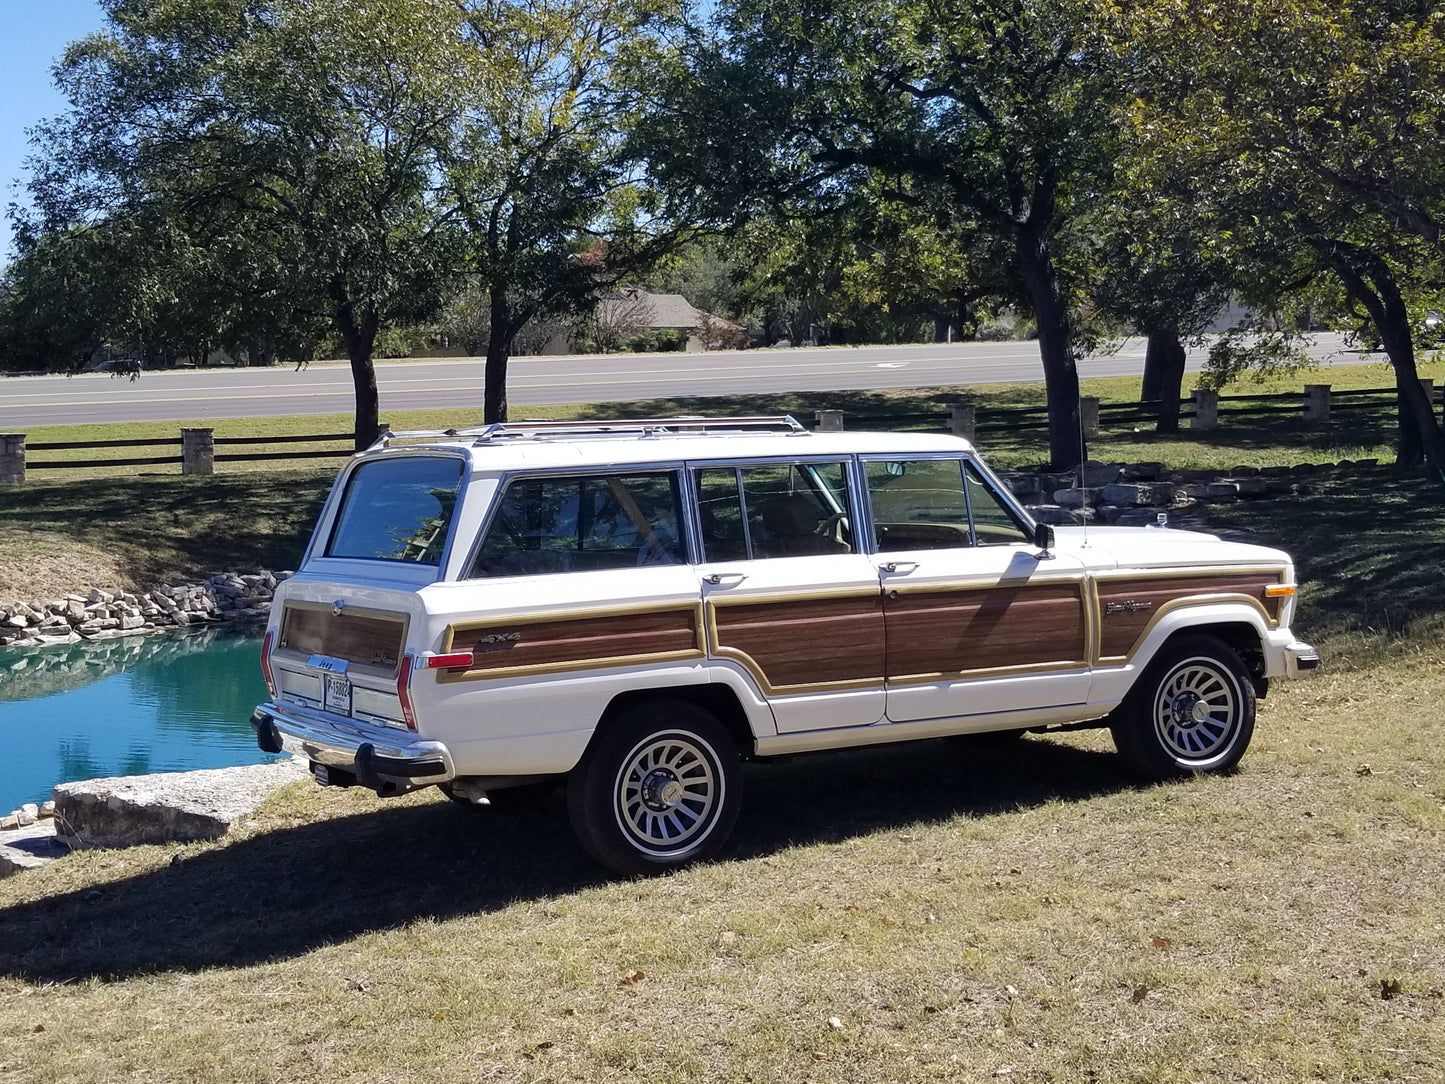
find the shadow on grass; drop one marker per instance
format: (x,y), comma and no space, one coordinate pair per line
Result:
(157,526)
(285,893)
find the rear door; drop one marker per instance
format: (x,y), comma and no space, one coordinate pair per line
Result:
(787,597)
(976,622)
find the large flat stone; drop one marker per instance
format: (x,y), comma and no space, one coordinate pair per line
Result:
(29,847)
(167,807)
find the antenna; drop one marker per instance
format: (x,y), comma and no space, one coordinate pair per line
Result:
(1083,505)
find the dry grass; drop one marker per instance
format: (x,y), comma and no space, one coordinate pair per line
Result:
(918,913)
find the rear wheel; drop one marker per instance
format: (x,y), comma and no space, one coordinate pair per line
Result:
(1192,711)
(658,789)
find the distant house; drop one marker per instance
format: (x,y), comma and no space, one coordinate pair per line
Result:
(634,312)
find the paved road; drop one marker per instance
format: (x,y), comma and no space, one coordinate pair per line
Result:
(201,395)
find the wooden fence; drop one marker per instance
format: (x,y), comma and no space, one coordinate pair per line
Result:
(195,450)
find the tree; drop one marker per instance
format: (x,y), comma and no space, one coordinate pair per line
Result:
(312,127)
(1002,105)
(1312,131)
(540,171)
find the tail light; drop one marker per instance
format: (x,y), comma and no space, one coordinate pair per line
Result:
(266,643)
(403,691)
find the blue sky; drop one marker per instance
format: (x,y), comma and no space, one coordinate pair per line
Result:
(33,33)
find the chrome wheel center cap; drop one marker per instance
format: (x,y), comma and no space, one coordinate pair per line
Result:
(661,790)
(1189,710)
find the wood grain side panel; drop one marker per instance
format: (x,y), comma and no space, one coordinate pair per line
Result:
(566,642)
(958,630)
(1136,602)
(359,638)
(807,642)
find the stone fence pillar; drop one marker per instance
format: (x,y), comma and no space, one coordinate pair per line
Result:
(198,451)
(1089,416)
(1206,410)
(830,421)
(12,459)
(1317,403)
(963,420)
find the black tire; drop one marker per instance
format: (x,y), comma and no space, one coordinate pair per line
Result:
(1190,713)
(659,788)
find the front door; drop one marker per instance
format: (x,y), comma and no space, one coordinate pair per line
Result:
(977,622)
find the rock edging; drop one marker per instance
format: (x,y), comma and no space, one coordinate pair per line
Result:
(103,614)
(1134,494)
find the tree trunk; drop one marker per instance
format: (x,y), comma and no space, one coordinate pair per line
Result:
(358,334)
(1056,344)
(1163,377)
(499,352)
(1368,279)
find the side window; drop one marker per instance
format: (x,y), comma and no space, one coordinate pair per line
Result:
(994,523)
(782,510)
(918,504)
(582,523)
(925,504)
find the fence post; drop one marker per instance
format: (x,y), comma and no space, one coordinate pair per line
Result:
(12,459)
(1206,409)
(1428,385)
(830,421)
(1317,403)
(963,420)
(198,451)
(1089,416)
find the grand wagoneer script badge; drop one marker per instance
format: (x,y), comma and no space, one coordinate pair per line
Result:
(1128,607)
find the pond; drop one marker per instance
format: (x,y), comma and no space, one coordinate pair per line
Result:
(128,706)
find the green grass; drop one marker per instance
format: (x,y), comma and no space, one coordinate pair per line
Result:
(925,912)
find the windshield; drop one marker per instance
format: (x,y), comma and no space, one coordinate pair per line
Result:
(398,509)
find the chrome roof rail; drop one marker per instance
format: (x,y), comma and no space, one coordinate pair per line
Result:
(622,427)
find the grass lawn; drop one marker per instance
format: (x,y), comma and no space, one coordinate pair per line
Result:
(925,912)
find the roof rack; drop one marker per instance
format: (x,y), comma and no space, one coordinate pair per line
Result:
(623,427)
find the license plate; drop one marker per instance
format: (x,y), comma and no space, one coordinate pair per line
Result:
(336,694)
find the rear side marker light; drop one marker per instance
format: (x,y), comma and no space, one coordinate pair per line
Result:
(447,662)
(266,643)
(1279,590)
(403,692)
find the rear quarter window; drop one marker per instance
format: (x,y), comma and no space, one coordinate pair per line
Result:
(398,510)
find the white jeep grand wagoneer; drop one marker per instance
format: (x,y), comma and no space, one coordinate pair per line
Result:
(635,607)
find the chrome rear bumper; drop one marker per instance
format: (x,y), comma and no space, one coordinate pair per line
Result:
(384,759)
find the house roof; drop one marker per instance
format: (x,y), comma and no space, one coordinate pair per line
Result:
(670,312)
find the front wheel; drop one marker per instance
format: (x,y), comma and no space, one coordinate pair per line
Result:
(1191,712)
(658,789)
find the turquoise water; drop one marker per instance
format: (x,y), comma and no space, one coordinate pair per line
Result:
(127,706)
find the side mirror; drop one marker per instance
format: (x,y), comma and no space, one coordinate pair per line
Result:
(1044,540)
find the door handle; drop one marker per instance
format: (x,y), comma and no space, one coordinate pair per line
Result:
(718,579)
(901,568)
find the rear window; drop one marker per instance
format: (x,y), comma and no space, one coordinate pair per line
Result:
(398,510)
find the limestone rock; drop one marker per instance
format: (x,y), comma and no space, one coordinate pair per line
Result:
(167,807)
